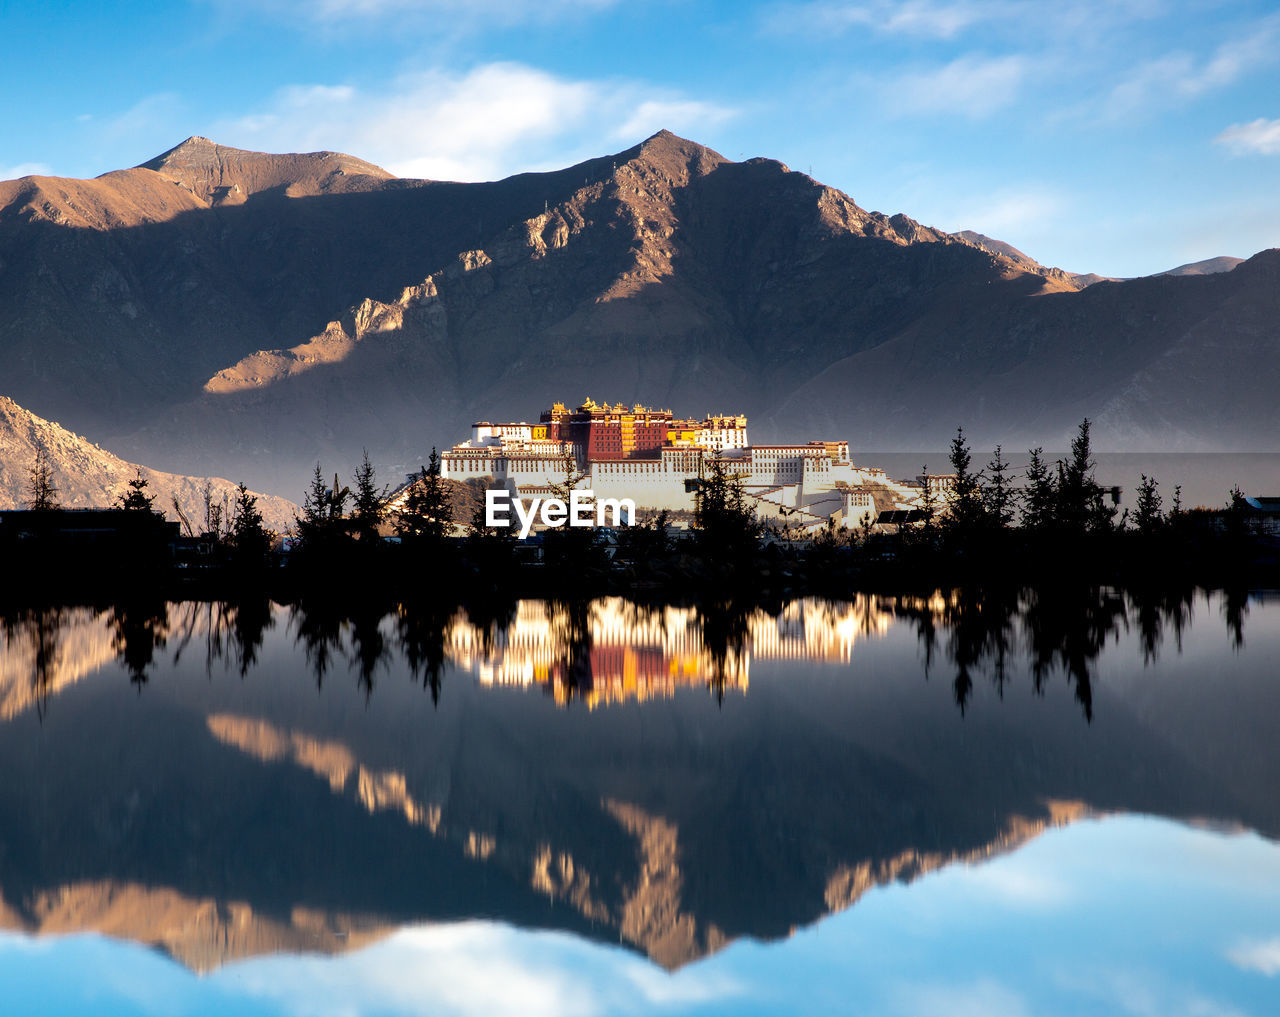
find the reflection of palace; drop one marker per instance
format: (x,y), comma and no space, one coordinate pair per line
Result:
(619,651)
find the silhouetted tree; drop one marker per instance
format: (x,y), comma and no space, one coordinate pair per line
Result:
(137,500)
(367,505)
(1147,516)
(1081,506)
(998,496)
(1040,498)
(249,539)
(41,490)
(427,512)
(965,513)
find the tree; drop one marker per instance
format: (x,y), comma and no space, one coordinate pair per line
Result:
(42,492)
(367,508)
(964,499)
(137,500)
(928,500)
(215,514)
(1147,515)
(1039,501)
(998,496)
(1081,506)
(249,537)
(727,528)
(427,512)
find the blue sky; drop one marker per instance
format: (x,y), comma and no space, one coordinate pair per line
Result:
(1116,136)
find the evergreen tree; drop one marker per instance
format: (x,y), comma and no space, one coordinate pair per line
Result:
(965,511)
(367,507)
(249,538)
(427,513)
(137,500)
(928,500)
(998,496)
(42,492)
(726,527)
(1039,501)
(1081,504)
(1147,515)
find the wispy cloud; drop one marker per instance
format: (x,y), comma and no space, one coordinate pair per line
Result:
(972,86)
(1259,136)
(476,13)
(24,169)
(930,18)
(493,120)
(1262,956)
(1178,76)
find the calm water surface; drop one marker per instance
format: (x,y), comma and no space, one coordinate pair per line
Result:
(1055,803)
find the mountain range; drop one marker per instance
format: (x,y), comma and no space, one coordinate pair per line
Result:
(216,311)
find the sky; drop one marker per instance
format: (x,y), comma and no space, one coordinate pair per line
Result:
(1114,136)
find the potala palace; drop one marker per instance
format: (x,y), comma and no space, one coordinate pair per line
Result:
(655,459)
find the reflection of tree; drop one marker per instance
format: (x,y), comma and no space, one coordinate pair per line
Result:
(369,648)
(138,629)
(1068,627)
(423,630)
(42,628)
(724,636)
(319,626)
(571,633)
(1155,611)
(1235,605)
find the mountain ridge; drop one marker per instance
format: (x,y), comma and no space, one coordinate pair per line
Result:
(328,312)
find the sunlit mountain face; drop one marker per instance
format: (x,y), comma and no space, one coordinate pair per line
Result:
(698,784)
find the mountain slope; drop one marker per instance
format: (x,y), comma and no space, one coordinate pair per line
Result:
(229,312)
(86,476)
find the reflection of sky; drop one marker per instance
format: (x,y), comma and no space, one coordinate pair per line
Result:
(1121,916)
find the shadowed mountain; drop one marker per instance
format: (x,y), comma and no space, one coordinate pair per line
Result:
(233,312)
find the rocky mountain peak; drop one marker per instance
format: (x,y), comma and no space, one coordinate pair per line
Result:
(219,174)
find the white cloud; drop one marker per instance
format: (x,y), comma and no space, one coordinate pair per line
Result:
(971,85)
(24,169)
(1258,136)
(927,18)
(1180,76)
(947,19)
(1262,956)
(457,13)
(494,120)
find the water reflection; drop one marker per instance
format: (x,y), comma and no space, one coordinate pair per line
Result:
(613,650)
(281,782)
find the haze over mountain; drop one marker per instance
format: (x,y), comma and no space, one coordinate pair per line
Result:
(221,311)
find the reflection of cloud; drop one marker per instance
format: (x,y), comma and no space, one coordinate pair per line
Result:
(1016,885)
(1262,956)
(983,998)
(496,119)
(475,968)
(1258,136)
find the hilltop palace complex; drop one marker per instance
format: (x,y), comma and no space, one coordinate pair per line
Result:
(655,459)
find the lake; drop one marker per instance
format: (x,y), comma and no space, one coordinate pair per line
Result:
(1052,802)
